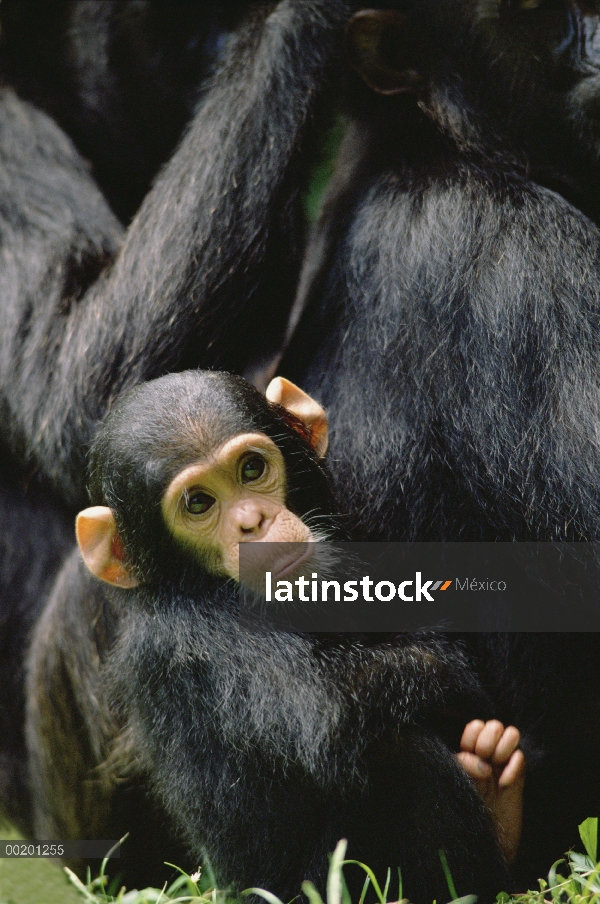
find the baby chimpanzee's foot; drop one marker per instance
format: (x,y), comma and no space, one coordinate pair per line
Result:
(489,754)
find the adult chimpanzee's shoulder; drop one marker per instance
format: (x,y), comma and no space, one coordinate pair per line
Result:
(483,223)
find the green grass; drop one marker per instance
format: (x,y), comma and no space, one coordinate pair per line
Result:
(33,881)
(574,880)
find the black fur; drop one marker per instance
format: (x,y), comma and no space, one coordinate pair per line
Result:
(451,330)
(459,300)
(36,535)
(204,274)
(121,78)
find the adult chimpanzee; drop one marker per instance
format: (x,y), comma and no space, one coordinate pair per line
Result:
(452,321)
(267,747)
(202,276)
(455,315)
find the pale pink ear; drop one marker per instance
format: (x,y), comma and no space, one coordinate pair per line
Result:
(101,547)
(281,392)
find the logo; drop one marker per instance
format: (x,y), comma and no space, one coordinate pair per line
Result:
(422,590)
(384,591)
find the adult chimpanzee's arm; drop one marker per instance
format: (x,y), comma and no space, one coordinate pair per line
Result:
(203,275)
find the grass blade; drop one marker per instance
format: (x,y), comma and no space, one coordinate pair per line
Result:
(588,831)
(448,875)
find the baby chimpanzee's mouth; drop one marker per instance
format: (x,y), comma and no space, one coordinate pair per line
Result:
(290,564)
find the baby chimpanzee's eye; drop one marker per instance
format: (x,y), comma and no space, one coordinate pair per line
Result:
(253,468)
(197,503)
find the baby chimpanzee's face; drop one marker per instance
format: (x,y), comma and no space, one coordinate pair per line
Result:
(237,495)
(190,458)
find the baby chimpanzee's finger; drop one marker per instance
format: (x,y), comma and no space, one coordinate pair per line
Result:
(489,738)
(474,766)
(471,734)
(514,772)
(506,746)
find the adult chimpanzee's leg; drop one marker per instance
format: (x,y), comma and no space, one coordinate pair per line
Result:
(35,534)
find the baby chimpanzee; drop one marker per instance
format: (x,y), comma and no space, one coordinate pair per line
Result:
(267,747)
(190,466)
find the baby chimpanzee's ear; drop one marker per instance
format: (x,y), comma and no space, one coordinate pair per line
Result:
(281,392)
(101,546)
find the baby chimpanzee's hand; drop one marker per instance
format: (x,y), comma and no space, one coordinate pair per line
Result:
(490,755)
